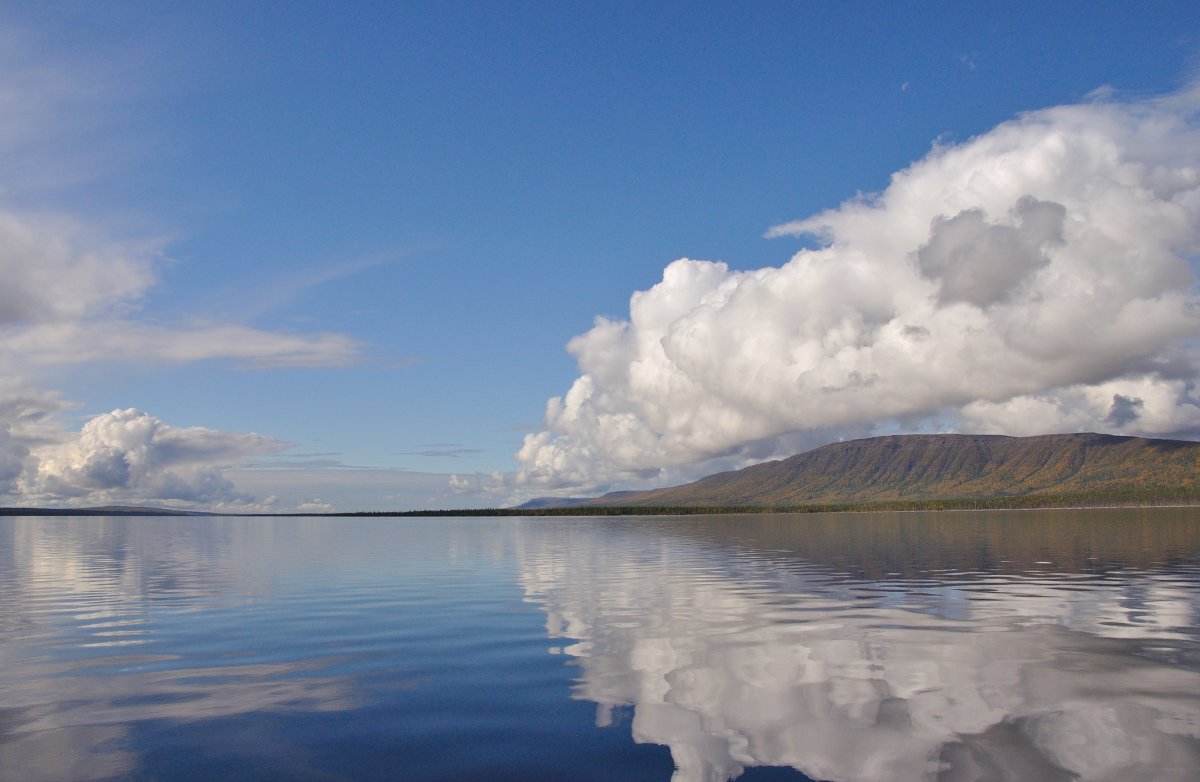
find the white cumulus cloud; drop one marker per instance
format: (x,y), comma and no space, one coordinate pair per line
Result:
(1035,278)
(130,455)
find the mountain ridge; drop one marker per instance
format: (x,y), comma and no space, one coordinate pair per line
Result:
(937,467)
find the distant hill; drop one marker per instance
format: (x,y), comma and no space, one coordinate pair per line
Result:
(930,468)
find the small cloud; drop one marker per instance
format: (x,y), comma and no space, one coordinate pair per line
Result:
(299,464)
(298,283)
(452,453)
(980,262)
(314,506)
(492,484)
(314,455)
(1125,410)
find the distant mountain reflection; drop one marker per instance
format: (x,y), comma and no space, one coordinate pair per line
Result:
(1013,646)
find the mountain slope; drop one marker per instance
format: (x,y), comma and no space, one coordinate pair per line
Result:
(945,466)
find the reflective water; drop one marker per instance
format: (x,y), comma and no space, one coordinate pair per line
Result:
(983,646)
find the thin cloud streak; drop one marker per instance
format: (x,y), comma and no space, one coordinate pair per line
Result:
(248,348)
(297,283)
(452,453)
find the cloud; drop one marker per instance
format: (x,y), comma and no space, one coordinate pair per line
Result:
(1125,410)
(449,452)
(125,341)
(980,263)
(314,506)
(303,463)
(27,423)
(76,288)
(296,283)
(131,455)
(65,115)
(1020,279)
(494,484)
(71,296)
(1148,406)
(55,271)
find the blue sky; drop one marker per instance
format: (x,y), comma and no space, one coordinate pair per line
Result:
(367,231)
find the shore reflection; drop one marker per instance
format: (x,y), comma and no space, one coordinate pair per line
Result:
(907,647)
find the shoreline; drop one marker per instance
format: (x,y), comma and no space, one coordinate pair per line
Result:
(918,506)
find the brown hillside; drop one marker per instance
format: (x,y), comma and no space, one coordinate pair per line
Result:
(945,466)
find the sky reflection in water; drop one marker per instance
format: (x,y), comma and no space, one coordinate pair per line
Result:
(1031,646)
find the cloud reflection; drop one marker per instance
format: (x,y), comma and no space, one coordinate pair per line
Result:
(88,612)
(60,726)
(763,654)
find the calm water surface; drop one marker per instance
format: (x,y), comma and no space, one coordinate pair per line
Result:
(985,646)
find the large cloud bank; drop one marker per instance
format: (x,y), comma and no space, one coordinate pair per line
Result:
(1036,278)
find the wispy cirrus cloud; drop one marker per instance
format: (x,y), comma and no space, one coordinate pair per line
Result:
(298,282)
(73,296)
(448,450)
(52,103)
(132,342)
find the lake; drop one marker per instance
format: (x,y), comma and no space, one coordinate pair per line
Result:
(1040,645)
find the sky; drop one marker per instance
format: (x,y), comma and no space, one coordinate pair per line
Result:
(389,256)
